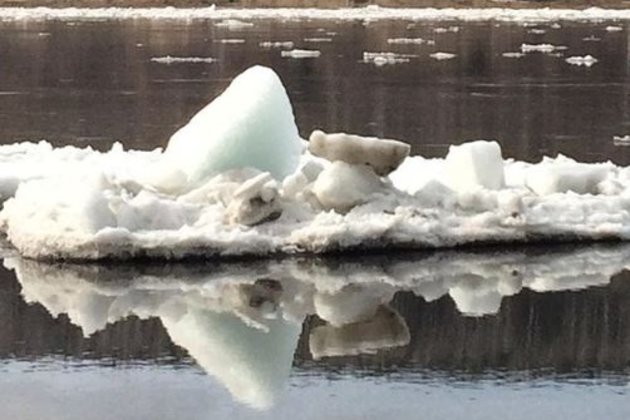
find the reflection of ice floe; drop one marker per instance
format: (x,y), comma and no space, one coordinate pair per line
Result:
(241,320)
(176,60)
(586,61)
(238,180)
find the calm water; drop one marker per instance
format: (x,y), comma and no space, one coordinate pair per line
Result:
(492,334)
(93,83)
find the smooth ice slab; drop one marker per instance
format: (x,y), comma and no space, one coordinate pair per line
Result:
(251,124)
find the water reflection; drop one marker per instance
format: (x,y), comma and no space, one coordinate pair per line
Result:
(241,321)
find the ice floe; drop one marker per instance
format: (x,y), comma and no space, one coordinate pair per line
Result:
(614,28)
(238,180)
(405,41)
(386,58)
(542,48)
(277,44)
(586,61)
(442,56)
(300,53)
(177,60)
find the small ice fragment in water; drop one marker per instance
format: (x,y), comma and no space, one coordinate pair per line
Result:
(383,58)
(542,48)
(556,26)
(382,155)
(317,40)
(452,29)
(537,31)
(621,140)
(277,44)
(298,53)
(475,164)
(230,41)
(513,54)
(587,60)
(233,24)
(591,38)
(612,28)
(177,60)
(442,56)
(404,41)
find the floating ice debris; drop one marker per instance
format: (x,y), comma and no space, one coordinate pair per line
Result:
(230,41)
(277,44)
(177,60)
(318,40)
(383,58)
(441,30)
(537,31)
(298,53)
(621,140)
(513,54)
(555,25)
(542,48)
(587,60)
(255,201)
(382,155)
(613,28)
(233,24)
(591,38)
(404,41)
(442,56)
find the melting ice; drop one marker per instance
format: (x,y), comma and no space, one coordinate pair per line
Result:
(238,180)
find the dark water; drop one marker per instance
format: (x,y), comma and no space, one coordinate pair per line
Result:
(492,334)
(93,83)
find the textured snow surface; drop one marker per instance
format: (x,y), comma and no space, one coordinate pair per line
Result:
(238,180)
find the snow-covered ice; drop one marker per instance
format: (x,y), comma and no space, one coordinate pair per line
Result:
(238,180)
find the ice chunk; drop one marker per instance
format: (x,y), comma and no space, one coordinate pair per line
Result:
(297,53)
(442,56)
(587,60)
(380,154)
(383,58)
(250,124)
(342,186)
(542,48)
(473,165)
(255,201)
(177,60)
(565,175)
